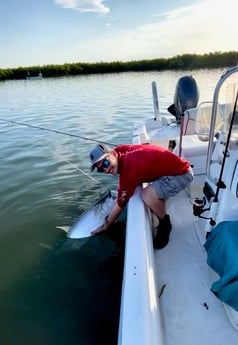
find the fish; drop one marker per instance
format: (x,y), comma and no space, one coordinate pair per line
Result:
(93,217)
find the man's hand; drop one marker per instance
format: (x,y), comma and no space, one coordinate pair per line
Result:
(101,228)
(109,220)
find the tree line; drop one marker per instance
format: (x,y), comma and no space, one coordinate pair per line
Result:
(185,61)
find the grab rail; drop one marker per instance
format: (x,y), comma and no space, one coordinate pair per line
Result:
(221,81)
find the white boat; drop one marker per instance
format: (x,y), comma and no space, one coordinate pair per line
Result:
(167,296)
(36,77)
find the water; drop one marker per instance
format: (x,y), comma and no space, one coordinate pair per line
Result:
(54,290)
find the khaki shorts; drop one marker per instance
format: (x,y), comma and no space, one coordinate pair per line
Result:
(167,186)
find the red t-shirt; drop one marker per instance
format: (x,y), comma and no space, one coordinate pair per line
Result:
(145,163)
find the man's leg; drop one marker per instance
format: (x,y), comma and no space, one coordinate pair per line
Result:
(151,199)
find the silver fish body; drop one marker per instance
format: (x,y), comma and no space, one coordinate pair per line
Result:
(94,216)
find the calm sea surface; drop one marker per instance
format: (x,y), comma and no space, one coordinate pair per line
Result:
(55,290)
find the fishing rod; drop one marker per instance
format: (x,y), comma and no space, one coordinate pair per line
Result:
(220,183)
(56,131)
(198,204)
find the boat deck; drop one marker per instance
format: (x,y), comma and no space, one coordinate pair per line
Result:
(190,313)
(166,295)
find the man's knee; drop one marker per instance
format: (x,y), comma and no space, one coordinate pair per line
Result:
(148,195)
(145,195)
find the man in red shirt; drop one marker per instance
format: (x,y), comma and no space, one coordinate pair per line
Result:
(166,173)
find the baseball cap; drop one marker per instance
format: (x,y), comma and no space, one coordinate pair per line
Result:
(97,153)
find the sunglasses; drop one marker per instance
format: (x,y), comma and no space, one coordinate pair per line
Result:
(105,164)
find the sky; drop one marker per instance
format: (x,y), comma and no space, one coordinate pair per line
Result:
(41,32)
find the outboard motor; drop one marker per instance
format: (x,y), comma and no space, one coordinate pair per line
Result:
(186,96)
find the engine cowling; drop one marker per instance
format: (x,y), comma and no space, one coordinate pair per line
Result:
(186,96)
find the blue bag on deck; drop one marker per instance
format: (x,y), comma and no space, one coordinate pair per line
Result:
(222,256)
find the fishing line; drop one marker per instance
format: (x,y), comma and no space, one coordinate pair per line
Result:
(73,165)
(63,133)
(56,131)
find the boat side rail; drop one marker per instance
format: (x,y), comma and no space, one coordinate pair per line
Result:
(140,321)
